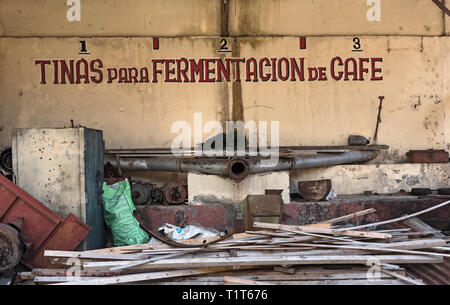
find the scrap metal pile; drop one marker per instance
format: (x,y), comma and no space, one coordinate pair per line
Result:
(328,252)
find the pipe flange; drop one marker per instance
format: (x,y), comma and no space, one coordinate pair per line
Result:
(238,169)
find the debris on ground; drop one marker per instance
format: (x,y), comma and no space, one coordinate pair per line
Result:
(320,253)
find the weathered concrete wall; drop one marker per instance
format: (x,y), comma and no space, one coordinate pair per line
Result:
(28,18)
(334,17)
(47,18)
(415,70)
(415,86)
(130,114)
(313,113)
(414,83)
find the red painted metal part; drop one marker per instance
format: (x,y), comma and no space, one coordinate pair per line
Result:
(223,217)
(427,156)
(313,212)
(42,229)
(65,237)
(216,216)
(174,193)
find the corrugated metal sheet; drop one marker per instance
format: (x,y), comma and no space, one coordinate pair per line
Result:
(432,274)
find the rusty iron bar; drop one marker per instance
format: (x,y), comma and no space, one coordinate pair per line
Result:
(379,117)
(442,6)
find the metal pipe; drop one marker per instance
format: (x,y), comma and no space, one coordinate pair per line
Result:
(239,168)
(173,164)
(320,160)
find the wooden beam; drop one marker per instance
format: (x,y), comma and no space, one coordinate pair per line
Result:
(308,283)
(325,275)
(284,270)
(239,281)
(145,276)
(379,249)
(399,218)
(402,277)
(283,260)
(93,255)
(322,230)
(349,216)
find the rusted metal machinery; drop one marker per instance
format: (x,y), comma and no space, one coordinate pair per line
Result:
(378,118)
(12,246)
(356,140)
(170,193)
(40,228)
(316,190)
(238,168)
(264,208)
(174,193)
(6,167)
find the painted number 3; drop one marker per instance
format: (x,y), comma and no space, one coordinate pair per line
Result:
(356,43)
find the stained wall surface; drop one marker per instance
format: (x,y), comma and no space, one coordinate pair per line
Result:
(409,36)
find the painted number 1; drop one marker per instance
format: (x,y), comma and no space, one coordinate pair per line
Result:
(83,47)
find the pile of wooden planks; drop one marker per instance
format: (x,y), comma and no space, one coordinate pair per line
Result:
(322,253)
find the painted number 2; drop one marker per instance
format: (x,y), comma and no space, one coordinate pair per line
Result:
(224,46)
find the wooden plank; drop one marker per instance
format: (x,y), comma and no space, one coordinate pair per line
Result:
(239,281)
(144,276)
(285,277)
(125,249)
(322,230)
(284,270)
(25,275)
(399,218)
(319,225)
(349,216)
(153,259)
(199,241)
(92,255)
(283,260)
(402,277)
(308,283)
(410,245)
(379,249)
(62,279)
(309,236)
(65,272)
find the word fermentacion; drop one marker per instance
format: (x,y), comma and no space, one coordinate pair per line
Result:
(177,70)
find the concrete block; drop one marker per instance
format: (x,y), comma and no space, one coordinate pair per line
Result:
(205,189)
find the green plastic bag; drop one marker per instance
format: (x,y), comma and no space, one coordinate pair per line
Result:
(118,210)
